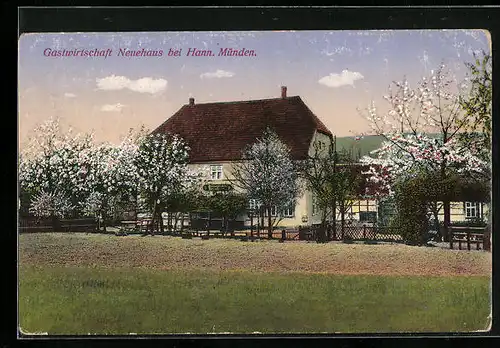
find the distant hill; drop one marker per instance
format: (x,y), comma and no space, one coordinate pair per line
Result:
(364,145)
(360,147)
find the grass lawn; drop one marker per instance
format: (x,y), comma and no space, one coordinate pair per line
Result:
(80,284)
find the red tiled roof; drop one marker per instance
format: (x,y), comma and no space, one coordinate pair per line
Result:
(221,131)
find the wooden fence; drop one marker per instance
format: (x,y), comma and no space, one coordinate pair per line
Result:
(33,224)
(358,232)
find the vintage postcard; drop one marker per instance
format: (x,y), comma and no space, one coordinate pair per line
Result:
(254,182)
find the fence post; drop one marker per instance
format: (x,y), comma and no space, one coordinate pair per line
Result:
(364,231)
(486,240)
(468,239)
(251,224)
(451,237)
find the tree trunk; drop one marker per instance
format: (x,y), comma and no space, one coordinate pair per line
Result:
(446,221)
(321,232)
(321,237)
(98,218)
(153,218)
(269,224)
(176,222)
(342,219)
(446,205)
(182,222)
(55,223)
(160,219)
(169,221)
(104,216)
(260,223)
(435,213)
(334,219)
(251,224)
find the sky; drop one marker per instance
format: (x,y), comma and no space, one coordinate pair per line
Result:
(334,72)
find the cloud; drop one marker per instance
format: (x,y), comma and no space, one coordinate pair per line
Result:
(337,80)
(112,107)
(217,74)
(142,85)
(69,95)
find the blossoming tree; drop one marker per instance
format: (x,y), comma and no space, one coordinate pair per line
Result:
(421,129)
(61,173)
(162,171)
(50,169)
(109,179)
(268,175)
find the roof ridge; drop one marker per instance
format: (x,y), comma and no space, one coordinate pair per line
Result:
(246,101)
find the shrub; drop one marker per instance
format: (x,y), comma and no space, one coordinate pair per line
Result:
(467,223)
(411,218)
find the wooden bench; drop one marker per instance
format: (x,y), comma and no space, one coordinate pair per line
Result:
(144,225)
(126,227)
(468,235)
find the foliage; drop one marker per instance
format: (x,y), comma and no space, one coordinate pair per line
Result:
(421,130)
(95,178)
(112,176)
(162,171)
(55,162)
(386,211)
(48,204)
(101,179)
(477,222)
(434,108)
(406,156)
(268,174)
(228,204)
(411,217)
(334,179)
(477,104)
(183,201)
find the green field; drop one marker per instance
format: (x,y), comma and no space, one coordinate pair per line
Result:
(127,292)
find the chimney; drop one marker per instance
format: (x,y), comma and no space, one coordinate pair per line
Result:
(191,101)
(283,92)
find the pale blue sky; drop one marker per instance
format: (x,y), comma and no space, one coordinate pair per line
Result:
(69,87)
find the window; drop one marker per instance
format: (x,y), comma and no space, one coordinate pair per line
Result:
(252,204)
(274,211)
(286,212)
(368,216)
(314,205)
(216,172)
(471,210)
(289,211)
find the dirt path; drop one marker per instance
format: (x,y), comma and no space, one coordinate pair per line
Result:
(163,252)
